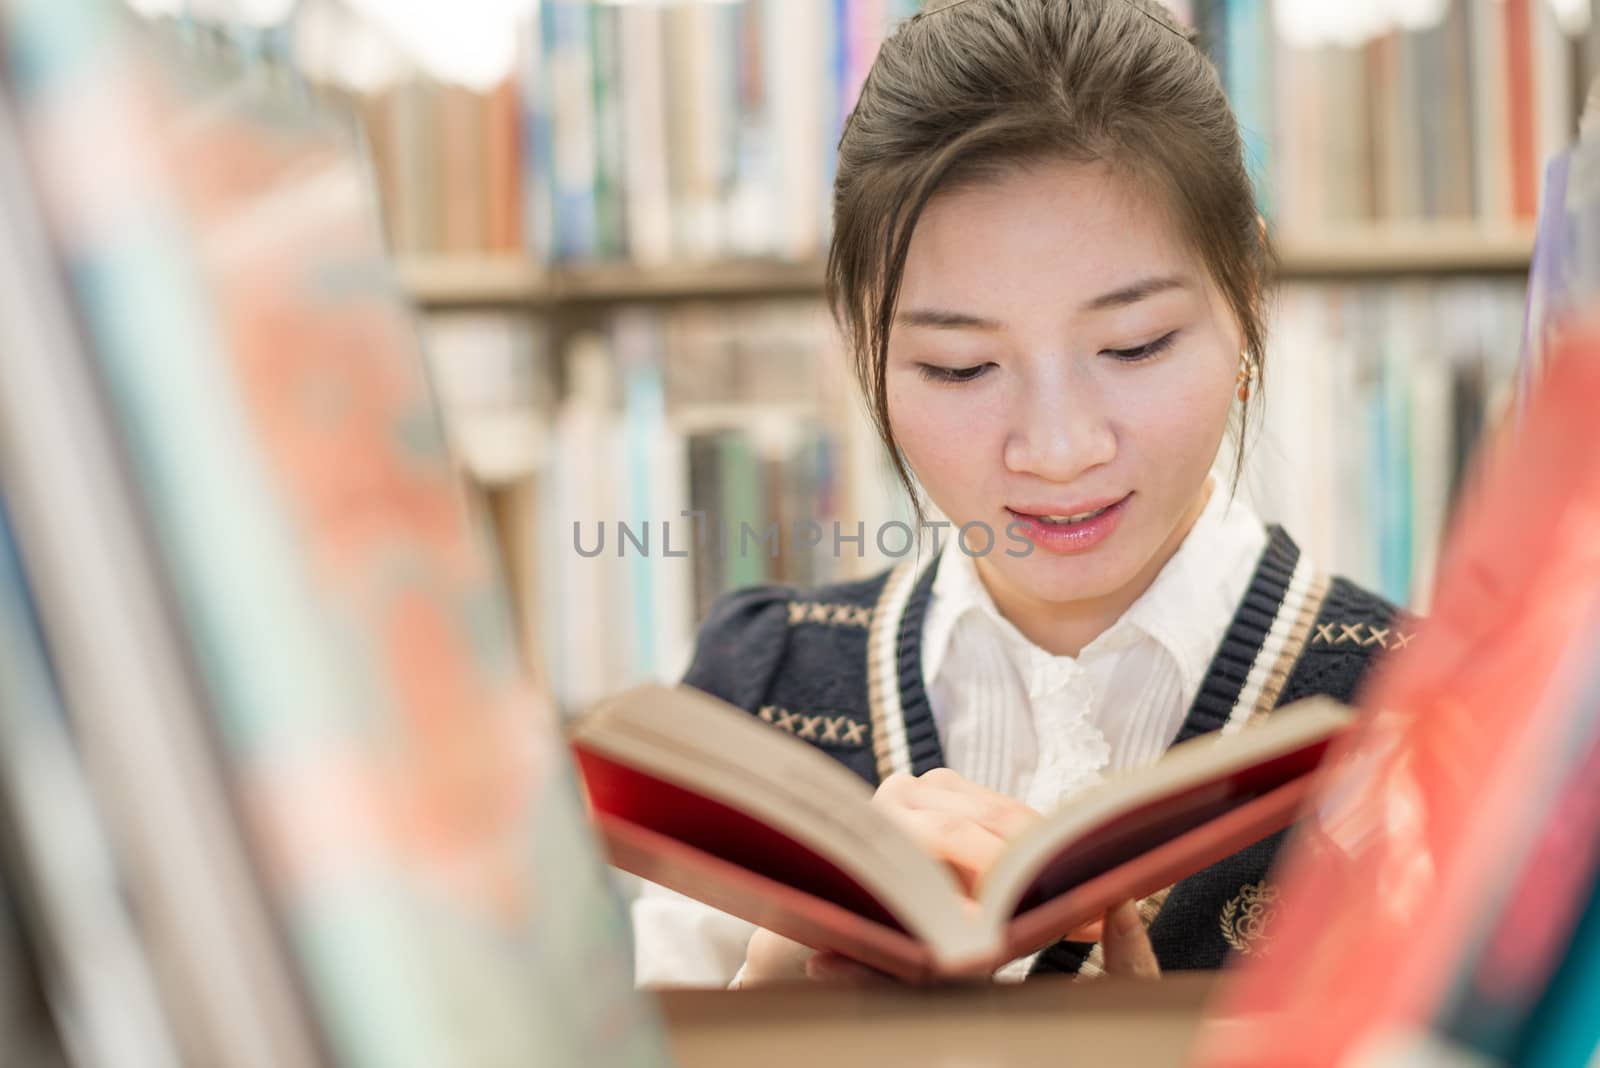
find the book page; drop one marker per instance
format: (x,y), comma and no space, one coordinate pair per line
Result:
(1138,810)
(699,744)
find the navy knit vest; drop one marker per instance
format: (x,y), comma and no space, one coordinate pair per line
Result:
(841,668)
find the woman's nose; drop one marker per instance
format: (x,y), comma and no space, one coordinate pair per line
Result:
(1060,430)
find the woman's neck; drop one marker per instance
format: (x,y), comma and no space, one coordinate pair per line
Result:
(1065,628)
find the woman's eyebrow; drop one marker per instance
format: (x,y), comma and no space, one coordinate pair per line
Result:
(1133,294)
(1121,297)
(939,319)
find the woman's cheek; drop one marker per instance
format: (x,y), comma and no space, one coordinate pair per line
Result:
(1186,406)
(940,438)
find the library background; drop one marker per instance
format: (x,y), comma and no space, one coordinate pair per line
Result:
(601,224)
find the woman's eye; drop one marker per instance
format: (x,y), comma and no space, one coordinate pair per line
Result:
(1144,352)
(935,373)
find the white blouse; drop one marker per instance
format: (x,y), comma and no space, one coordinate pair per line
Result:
(1018,719)
(1040,727)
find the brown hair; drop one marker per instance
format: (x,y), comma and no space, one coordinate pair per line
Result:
(961,93)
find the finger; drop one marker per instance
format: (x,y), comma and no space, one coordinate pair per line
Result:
(968,849)
(1126,944)
(772,958)
(1002,817)
(842,971)
(895,787)
(944,790)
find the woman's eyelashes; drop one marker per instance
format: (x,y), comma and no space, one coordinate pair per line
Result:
(935,373)
(1144,352)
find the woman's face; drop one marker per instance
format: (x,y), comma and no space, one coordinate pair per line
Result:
(1056,351)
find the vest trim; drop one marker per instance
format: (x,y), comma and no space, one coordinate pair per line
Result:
(889,735)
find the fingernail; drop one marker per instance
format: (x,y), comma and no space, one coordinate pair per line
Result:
(1127,919)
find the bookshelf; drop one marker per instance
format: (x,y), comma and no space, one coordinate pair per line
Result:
(445,282)
(674,227)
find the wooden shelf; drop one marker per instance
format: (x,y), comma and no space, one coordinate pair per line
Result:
(444,282)
(690,281)
(1362,252)
(1376,252)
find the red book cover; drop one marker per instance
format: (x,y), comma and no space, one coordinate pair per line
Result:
(1431,808)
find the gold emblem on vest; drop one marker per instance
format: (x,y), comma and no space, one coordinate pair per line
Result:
(1247,917)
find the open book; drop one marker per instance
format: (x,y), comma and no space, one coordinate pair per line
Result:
(694,794)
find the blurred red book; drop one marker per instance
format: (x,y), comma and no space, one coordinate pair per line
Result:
(1433,807)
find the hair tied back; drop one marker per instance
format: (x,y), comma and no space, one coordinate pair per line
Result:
(1165,22)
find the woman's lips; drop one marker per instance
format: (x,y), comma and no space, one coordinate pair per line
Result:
(1067,538)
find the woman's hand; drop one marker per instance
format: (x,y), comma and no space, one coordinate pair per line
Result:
(967,826)
(1125,944)
(959,822)
(771,958)
(956,821)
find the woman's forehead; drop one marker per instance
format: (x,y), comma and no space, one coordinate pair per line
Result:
(1074,231)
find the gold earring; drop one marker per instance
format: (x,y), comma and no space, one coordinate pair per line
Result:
(1247,373)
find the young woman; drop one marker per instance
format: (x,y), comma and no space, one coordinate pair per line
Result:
(1049,266)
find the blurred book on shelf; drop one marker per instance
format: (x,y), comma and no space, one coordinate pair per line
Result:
(492,375)
(271,615)
(1426,910)
(662,134)
(654,133)
(667,133)
(1377,395)
(698,449)
(1451,120)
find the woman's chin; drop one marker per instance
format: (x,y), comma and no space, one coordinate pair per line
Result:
(1063,579)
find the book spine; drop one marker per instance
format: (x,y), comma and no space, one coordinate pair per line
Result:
(1555,93)
(643,416)
(754,181)
(795,49)
(60,862)
(1457,174)
(460,191)
(646,186)
(704,498)
(611,236)
(1490,85)
(568,26)
(1520,103)
(503,165)
(538,174)
(1249,88)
